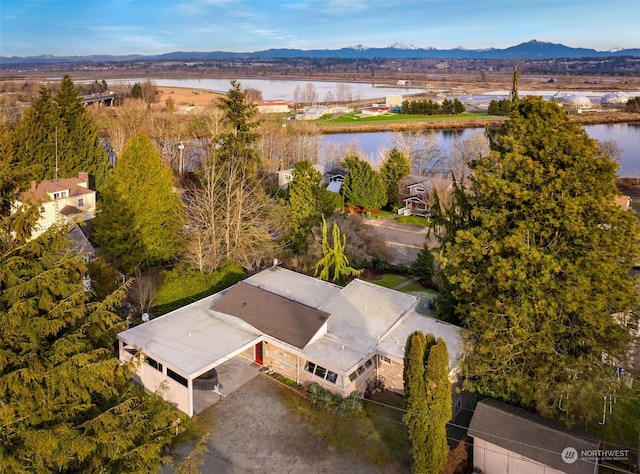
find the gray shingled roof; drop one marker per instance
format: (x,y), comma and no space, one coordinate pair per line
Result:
(277,316)
(531,436)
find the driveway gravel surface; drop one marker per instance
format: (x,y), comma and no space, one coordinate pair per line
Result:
(253,431)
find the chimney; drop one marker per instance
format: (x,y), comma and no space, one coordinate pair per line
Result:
(33,187)
(84,176)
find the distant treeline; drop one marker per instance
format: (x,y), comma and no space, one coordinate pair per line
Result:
(429,107)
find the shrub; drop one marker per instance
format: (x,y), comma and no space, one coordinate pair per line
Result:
(327,400)
(350,405)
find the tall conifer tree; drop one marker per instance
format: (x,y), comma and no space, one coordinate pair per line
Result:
(539,274)
(395,167)
(140,218)
(427,396)
(66,403)
(363,186)
(58,132)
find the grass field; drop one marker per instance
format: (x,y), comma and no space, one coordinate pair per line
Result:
(351,119)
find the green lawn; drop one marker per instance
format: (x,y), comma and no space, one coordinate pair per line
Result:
(413,220)
(388,280)
(352,118)
(377,434)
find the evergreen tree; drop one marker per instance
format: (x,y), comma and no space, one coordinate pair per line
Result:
(79,147)
(395,167)
(363,185)
(423,266)
(136,91)
(513,96)
(415,399)
(538,275)
(68,405)
(427,396)
(439,405)
(58,132)
(34,138)
(241,118)
(140,218)
(308,201)
(334,264)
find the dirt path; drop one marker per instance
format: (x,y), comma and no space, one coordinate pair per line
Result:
(255,432)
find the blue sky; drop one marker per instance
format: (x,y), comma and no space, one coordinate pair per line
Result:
(81,27)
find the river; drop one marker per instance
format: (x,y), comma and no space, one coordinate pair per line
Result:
(284,89)
(626,135)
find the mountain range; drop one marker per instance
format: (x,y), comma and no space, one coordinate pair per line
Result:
(530,50)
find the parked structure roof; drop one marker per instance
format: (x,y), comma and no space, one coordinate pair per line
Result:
(193,338)
(532,436)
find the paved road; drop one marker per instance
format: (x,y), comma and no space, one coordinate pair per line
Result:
(403,240)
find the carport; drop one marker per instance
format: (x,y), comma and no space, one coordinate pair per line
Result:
(180,349)
(232,375)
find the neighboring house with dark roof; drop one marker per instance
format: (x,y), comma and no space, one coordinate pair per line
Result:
(79,243)
(416,190)
(508,439)
(334,179)
(305,329)
(62,201)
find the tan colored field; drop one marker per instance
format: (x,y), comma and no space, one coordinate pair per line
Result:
(185,97)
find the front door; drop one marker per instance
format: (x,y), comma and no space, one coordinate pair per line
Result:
(258,352)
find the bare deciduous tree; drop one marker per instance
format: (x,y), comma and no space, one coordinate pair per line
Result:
(612,149)
(422,150)
(143,289)
(464,152)
(228,218)
(121,124)
(282,147)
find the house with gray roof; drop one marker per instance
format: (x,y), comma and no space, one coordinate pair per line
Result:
(302,328)
(507,439)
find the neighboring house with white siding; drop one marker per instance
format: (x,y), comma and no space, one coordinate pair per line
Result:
(62,201)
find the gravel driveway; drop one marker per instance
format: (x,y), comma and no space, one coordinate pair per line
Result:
(254,432)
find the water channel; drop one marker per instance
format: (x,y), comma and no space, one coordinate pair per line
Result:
(626,135)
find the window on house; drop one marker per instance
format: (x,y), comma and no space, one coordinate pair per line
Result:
(420,190)
(321,372)
(385,359)
(131,350)
(60,194)
(356,373)
(80,202)
(154,363)
(177,377)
